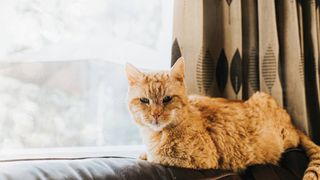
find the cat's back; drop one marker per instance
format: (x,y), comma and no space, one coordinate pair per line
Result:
(216,108)
(258,103)
(259,109)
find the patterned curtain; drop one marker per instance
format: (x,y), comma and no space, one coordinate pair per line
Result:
(234,48)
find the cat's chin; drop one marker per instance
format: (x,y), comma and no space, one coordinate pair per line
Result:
(157,127)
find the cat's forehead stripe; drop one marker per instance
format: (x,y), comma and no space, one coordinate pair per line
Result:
(156,85)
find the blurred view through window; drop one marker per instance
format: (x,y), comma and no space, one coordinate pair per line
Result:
(62,81)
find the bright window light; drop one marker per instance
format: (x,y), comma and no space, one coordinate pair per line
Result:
(62,80)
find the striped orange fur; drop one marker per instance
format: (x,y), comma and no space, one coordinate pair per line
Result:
(201,132)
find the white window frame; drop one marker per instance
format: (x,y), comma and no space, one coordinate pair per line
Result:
(131,151)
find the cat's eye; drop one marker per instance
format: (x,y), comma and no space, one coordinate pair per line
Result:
(167,99)
(144,100)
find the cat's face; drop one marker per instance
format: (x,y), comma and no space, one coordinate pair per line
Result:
(155,99)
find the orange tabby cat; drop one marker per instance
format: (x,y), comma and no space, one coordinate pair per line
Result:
(201,132)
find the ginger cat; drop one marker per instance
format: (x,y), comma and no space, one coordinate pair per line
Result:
(201,132)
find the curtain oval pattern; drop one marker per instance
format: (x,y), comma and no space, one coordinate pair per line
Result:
(234,48)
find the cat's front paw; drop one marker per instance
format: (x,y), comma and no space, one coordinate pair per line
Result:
(311,175)
(143,156)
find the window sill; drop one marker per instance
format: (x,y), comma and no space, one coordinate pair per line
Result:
(71,152)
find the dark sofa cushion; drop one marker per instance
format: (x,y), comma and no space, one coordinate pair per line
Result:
(293,165)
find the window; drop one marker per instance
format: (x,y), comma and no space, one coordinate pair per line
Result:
(62,81)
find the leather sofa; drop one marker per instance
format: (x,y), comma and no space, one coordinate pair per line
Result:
(291,166)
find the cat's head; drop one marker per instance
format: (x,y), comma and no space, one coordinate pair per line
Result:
(155,99)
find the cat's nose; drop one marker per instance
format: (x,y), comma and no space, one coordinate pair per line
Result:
(156,115)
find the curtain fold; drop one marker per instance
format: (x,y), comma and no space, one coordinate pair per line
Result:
(188,40)
(234,48)
(269,50)
(292,63)
(250,43)
(227,48)
(311,56)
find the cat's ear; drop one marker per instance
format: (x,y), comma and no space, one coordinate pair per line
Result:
(177,70)
(133,74)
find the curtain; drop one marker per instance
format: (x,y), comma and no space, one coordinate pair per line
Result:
(234,48)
